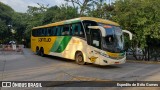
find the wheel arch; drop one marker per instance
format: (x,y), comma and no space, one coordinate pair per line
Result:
(84,55)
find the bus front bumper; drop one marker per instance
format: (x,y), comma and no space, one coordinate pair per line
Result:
(109,61)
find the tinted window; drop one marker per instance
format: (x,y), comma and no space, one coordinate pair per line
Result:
(77,30)
(49,32)
(96,38)
(39,32)
(66,30)
(58,31)
(88,23)
(53,31)
(33,32)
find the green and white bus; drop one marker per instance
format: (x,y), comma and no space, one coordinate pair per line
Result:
(84,39)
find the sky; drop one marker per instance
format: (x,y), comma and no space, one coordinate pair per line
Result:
(22,5)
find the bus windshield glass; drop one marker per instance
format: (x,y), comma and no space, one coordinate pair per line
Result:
(114,41)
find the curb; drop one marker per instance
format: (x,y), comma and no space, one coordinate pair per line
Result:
(144,62)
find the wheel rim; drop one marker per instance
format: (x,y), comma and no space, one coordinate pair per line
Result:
(80,59)
(37,51)
(42,53)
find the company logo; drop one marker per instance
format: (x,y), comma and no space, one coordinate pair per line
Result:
(21,84)
(44,39)
(93,59)
(6,84)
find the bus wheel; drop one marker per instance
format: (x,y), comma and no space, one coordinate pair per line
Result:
(42,52)
(79,58)
(37,51)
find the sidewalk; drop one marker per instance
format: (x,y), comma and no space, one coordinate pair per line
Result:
(8,50)
(146,62)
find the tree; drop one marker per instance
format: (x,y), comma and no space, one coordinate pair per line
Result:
(6,13)
(141,17)
(84,5)
(19,25)
(63,12)
(102,10)
(3,28)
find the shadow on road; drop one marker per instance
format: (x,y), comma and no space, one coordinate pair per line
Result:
(103,67)
(87,64)
(59,59)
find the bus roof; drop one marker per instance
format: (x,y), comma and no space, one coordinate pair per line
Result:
(78,20)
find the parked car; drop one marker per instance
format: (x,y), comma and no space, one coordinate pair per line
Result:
(129,52)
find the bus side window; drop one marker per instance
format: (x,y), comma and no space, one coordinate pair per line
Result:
(58,30)
(96,38)
(87,23)
(49,31)
(71,29)
(77,30)
(39,32)
(42,32)
(65,30)
(74,30)
(81,30)
(53,31)
(33,32)
(45,31)
(86,28)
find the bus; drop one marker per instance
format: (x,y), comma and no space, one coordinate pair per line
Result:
(83,39)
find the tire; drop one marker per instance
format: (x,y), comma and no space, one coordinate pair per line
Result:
(42,52)
(37,51)
(79,58)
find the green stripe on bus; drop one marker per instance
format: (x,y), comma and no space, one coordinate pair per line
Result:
(57,43)
(122,54)
(69,22)
(63,44)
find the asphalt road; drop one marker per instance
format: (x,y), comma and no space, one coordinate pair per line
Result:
(26,66)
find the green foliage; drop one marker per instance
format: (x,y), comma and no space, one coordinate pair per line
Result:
(5,12)
(56,13)
(141,17)
(5,19)
(19,25)
(102,10)
(33,18)
(84,6)
(3,28)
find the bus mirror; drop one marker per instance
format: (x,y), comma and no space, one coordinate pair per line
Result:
(99,28)
(128,32)
(93,27)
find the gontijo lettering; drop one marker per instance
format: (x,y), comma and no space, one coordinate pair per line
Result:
(44,39)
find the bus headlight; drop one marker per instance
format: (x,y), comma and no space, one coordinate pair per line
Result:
(105,55)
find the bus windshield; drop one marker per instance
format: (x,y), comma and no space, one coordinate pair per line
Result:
(114,41)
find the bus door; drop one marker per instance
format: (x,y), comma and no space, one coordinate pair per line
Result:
(94,41)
